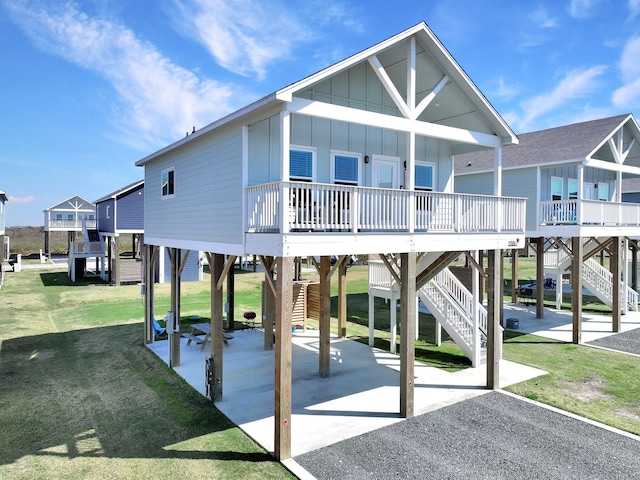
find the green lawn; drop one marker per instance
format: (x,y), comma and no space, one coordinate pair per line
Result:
(81,397)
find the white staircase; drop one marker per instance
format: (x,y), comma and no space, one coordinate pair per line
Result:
(463,319)
(597,279)
(448,300)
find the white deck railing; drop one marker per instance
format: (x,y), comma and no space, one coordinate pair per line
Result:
(87,248)
(71,223)
(324,207)
(589,212)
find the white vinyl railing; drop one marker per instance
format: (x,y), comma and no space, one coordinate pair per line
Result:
(463,297)
(86,248)
(71,223)
(589,212)
(325,207)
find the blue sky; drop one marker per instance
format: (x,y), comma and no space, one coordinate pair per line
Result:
(88,87)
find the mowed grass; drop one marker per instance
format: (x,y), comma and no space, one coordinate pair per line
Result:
(81,397)
(594,383)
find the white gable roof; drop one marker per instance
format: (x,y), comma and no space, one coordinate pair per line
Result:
(75,203)
(440,76)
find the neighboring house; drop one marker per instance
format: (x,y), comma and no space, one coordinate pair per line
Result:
(121,215)
(573,178)
(356,159)
(70,215)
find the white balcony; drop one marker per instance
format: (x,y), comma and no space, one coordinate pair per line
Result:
(70,224)
(314,207)
(90,249)
(589,212)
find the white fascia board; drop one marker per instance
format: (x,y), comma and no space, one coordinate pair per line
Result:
(615,167)
(562,163)
(374,119)
(286,94)
(212,126)
(613,132)
(193,245)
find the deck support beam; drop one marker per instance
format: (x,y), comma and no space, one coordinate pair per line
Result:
(514,276)
(216,267)
(174,328)
(540,278)
(407,332)
(269,315)
(614,266)
(150,255)
(576,288)
(494,329)
(283,353)
(342,296)
(325,317)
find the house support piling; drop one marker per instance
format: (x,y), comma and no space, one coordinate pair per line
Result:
(342,296)
(540,278)
(151,253)
(494,329)
(283,353)
(325,317)
(576,288)
(216,266)
(616,307)
(407,332)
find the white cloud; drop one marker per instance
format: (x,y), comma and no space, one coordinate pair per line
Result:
(542,19)
(575,84)
(581,8)
(158,100)
(21,200)
(628,96)
(634,7)
(505,90)
(244,36)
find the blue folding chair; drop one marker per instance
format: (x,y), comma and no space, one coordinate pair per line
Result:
(157,329)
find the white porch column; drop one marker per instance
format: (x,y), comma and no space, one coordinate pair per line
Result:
(285,142)
(475,286)
(371,319)
(394,321)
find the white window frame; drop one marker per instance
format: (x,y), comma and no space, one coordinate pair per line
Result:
(433,176)
(314,154)
(108,211)
(343,153)
(168,172)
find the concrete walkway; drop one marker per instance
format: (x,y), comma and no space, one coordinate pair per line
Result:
(558,324)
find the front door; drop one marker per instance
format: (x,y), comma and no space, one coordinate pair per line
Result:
(385,171)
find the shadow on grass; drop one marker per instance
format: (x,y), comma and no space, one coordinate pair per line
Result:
(511,336)
(61,279)
(101,393)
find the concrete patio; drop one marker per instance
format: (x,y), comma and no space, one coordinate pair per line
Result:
(361,394)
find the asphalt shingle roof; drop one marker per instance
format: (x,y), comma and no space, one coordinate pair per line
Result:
(569,142)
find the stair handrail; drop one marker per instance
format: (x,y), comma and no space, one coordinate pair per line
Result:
(463,297)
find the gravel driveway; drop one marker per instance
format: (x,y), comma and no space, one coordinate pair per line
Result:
(624,342)
(493,436)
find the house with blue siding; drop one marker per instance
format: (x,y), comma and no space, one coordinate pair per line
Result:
(356,159)
(120,215)
(572,177)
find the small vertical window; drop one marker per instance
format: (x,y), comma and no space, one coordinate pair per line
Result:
(300,164)
(108,213)
(168,183)
(69,216)
(603,191)
(424,177)
(556,188)
(573,189)
(346,168)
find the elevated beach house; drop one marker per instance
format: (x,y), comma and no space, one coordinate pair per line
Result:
(356,159)
(69,216)
(572,177)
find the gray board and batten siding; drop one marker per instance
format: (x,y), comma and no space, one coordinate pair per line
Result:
(207,204)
